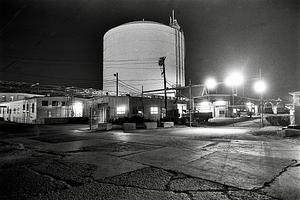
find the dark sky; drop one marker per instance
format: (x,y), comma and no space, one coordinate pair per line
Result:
(60,41)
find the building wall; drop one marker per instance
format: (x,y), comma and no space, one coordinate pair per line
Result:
(7,97)
(133,50)
(22,111)
(108,108)
(152,108)
(59,107)
(34,111)
(222,105)
(296,108)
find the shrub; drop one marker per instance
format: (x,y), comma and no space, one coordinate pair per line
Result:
(278,120)
(133,119)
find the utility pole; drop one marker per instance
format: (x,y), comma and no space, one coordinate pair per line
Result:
(190,96)
(262,105)
(117,83)
(161,62)
(91,117)
(143,109)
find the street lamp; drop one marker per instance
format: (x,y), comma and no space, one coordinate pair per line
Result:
(260,87)
(234,80)
(210,84)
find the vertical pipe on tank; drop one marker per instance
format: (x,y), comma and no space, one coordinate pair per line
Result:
(182,65)
(183,62)
(179,56)
(176,57)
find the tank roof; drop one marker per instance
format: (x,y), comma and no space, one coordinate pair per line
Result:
(143,22)
(136,23)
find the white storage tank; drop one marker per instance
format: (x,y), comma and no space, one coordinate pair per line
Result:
(133,49)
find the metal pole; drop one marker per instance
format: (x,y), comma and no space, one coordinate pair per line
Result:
(117,83)
(91,117)
(143,109)
(262,105)
(190,95)
(165,84)
(261,112)
(232,91)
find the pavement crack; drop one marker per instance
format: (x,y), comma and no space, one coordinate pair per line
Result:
(68,183)
(226,192)
(51,153)
(268,183)
(51,177)
(211,145)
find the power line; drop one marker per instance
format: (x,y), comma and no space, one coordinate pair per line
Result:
(130,60)
(122,82)
(128,64)
(50,61)
(156,79)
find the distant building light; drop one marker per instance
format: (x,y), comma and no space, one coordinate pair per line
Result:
(121,110)
(204,106)
(248,104)
(153,110)
(210,83)
(220,103)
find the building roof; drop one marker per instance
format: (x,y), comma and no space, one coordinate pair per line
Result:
(295,93)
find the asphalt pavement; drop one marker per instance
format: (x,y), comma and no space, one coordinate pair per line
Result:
(72,162)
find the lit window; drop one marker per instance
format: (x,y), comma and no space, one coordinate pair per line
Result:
(77,109)
(11,98)
(121,110)
(153,110)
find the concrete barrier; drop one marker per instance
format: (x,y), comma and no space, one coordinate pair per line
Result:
(150,125)
(104,126)
(291,132)
(129,126)
(168,124)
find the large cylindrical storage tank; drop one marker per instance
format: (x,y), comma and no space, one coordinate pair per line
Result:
(133,49)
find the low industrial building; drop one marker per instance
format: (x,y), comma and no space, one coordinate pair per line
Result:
(41,109)
(295,109)
(7,97)
(225,105)
(32,109)
(110,108)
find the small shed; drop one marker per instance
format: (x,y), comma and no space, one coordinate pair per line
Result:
(295,111)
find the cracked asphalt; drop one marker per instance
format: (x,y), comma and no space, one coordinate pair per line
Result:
(71,162)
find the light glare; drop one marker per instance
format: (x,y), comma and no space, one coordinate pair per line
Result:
(260,86)
(234,79)
(210,83)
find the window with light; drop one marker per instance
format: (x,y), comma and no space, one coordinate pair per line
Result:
(121,110)
(153,110)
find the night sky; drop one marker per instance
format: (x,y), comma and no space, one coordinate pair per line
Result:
(60,41)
